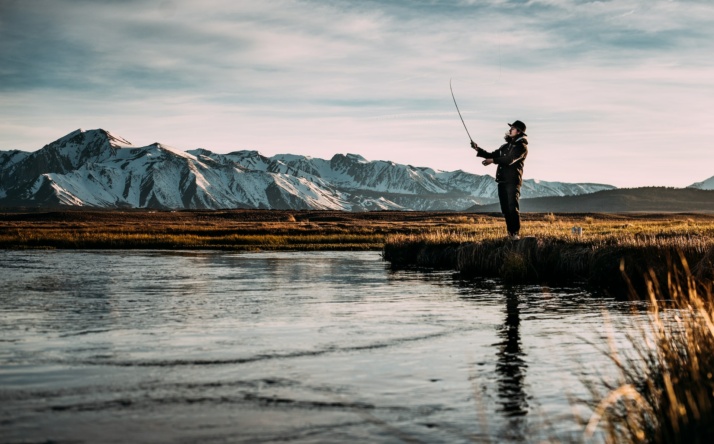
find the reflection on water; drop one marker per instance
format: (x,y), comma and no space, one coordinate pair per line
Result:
(511,368)
(251,347)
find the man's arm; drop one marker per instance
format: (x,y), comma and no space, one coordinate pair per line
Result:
(517,153)
(480,152)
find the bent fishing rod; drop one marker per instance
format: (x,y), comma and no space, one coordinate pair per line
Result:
(458,111)
(474,145)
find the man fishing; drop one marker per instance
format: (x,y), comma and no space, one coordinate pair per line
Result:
(510,158)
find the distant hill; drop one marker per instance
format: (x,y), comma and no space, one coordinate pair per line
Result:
(704,185)
(647,199)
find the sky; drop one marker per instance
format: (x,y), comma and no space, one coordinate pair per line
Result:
(616,92)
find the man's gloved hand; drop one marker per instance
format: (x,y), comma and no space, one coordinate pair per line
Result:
(474,145)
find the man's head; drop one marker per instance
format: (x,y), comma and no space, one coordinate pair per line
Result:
(517,127)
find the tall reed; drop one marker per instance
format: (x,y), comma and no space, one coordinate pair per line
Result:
(664,391)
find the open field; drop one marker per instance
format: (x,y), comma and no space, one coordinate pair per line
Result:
(231,229)
(311,230)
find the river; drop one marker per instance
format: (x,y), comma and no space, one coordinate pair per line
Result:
(179,346)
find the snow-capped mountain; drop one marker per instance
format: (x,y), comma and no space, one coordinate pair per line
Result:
(98,169)
(704,185)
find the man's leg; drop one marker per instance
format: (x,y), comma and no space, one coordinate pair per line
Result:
(513,216)
(503,200)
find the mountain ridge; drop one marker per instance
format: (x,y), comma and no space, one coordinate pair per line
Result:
(96,168)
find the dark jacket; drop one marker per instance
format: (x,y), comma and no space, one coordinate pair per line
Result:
(509,158)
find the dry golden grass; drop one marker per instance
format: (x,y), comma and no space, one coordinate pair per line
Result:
(263,229)
(606,230)
(549,251)
(238,229)
(665,389)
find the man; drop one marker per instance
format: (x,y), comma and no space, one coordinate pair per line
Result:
(509,174)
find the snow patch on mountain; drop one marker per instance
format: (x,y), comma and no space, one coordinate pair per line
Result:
(10,158)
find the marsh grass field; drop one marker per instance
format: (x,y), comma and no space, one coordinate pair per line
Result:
(315,230)
(241,230)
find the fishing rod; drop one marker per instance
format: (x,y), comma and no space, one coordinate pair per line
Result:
(457,110)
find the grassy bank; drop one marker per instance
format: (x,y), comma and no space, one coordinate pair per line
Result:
(549,252)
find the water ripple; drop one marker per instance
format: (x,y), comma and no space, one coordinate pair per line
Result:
(259,347)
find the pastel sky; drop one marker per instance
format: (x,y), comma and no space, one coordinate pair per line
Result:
(617,92)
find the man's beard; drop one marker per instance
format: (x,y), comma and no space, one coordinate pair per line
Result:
(507,137)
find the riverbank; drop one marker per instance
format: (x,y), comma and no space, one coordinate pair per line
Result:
(609,252)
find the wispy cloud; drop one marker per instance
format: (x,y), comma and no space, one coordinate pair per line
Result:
(608,89)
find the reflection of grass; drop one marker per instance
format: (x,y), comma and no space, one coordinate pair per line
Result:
(665,390)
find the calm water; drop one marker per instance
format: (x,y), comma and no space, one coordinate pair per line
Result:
(261,347)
